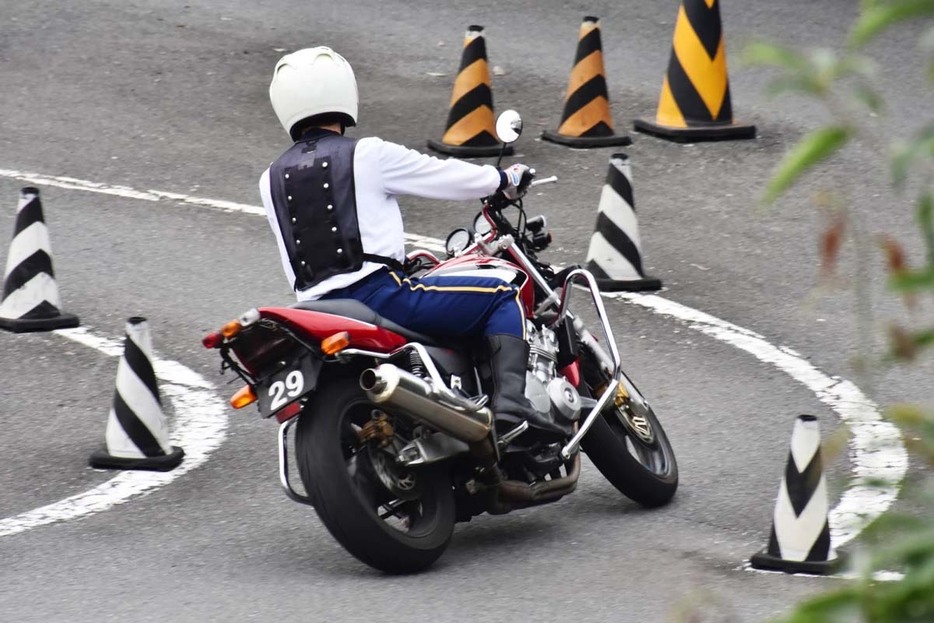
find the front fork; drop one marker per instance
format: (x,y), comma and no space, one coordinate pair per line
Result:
(610,363)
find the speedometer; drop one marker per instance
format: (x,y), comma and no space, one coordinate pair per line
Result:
(457,241)
(481,225)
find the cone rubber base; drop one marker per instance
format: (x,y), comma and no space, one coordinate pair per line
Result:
(767,562)
(102,460)
(26,325)
(633,285)
(587,141)
(725,132)
(467,151)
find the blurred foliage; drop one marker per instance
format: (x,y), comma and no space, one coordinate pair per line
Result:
(846,82)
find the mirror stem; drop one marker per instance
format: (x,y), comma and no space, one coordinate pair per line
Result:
(502,152)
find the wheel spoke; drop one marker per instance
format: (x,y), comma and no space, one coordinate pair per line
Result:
(392,509)
(372,492)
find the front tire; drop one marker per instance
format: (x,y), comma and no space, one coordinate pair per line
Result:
(395,532)
(630,448)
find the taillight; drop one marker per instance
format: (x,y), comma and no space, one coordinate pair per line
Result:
(289,411)
(212,340)
(242,398)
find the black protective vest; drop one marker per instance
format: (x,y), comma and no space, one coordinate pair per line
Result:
(313,193)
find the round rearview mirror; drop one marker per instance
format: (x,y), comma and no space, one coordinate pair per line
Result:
(508,126)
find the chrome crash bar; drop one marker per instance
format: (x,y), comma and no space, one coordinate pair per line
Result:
(284,463)
(611,363)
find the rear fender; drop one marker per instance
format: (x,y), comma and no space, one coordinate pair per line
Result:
(318,325)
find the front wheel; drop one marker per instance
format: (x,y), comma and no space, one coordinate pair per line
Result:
(630,448)
(395,520)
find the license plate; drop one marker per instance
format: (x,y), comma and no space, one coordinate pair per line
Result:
(287,385)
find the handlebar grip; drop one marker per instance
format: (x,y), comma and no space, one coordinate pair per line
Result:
(527,177)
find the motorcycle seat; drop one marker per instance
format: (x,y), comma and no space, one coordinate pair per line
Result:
(352,308)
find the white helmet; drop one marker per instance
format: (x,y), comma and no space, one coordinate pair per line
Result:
(311,82)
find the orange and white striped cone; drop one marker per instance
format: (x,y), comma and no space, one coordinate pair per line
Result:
(695,101)
(471,129)
(800,538)
(31,300)
(587,120)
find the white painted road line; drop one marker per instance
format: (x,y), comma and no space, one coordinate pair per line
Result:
(879,458)
(200,426)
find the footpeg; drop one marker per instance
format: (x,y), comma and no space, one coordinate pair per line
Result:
(506,438)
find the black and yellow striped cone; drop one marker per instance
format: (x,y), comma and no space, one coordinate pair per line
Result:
(30,296)
(137,436)
(587,121)
(800,538)
(615,256)
(471,129)
(695,101)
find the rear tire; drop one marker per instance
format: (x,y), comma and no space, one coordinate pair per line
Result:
(339,476)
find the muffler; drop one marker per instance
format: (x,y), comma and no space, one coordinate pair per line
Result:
(441,410)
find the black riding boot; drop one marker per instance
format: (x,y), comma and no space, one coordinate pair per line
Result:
(509,357)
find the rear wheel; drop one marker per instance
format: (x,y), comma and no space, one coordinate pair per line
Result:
(395,520)
(630,448)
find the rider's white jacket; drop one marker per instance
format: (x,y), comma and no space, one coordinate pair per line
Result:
(383,170)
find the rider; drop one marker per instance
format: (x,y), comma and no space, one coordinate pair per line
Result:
(331,203)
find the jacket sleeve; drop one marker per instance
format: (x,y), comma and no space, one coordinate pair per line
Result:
(408,172)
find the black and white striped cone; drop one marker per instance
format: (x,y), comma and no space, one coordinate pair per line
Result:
(800,539)
(30,297)
(614,255)
(137,436)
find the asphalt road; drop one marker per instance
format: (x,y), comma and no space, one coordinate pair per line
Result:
(172,96)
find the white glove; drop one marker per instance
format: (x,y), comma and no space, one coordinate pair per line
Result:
(515,175)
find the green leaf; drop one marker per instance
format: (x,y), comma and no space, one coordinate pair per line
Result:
(913,280)
(926,222)
(869,97)
(814,148)
(840,605)
(795,83)
(880,16)
(906,415)
(764,53)
(905,154)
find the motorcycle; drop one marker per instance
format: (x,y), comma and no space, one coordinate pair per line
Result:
(393,441)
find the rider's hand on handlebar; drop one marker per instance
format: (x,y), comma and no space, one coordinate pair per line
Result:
(518,178)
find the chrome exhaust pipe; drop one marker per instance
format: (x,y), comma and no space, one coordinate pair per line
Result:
(439,409)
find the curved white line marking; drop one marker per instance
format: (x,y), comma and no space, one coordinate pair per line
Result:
(200,427)
(879,458)
(876,450)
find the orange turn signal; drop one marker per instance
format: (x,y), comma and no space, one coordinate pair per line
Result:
(242,398)
(335,343)
(231,329)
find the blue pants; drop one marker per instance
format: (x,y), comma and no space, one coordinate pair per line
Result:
(443,305)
